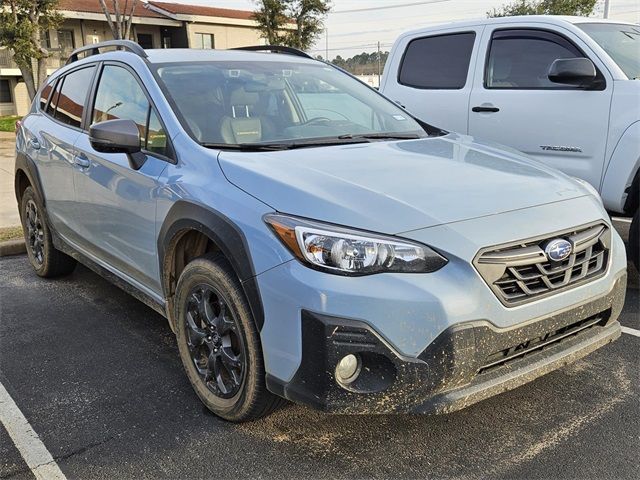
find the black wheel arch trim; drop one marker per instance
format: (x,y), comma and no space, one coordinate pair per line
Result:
(633,195)
(231,241)
(26,165)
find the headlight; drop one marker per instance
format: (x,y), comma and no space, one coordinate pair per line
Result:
(344,251)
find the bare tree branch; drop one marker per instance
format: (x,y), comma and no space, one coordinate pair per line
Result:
(105,10)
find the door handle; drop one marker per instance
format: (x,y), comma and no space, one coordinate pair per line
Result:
(486,109)
(81,162)
(33,143)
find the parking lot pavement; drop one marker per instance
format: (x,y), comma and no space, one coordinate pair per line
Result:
(98,377)
(8,205)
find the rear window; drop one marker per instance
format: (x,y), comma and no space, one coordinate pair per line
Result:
(44,95)
(51,108)
(70,103)
(439,62)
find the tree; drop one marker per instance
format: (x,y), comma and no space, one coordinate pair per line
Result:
(271,18)
(121,25)
(309,16)
(275,19)
(22,24)
(363,63)
(545,7)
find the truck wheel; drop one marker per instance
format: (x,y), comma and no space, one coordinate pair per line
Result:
(43,256)
(634,240)
(219,343)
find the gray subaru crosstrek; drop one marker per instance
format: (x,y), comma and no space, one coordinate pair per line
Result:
(308,239)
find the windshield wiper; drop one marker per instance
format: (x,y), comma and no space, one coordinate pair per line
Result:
(269,147)
(382,136)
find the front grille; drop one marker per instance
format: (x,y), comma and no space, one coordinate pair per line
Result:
(533,345)
(521,272)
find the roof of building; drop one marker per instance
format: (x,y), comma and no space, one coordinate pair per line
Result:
(200,10)
(151,9)
(93,6)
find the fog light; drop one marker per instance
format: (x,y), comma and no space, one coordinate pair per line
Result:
(348,368)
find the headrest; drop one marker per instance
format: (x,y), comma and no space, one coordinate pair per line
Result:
(241,97)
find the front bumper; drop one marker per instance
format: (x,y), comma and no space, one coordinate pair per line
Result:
(466,363)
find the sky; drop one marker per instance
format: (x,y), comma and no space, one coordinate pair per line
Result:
(355,26)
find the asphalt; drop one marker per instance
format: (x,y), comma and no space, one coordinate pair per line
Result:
(97,375)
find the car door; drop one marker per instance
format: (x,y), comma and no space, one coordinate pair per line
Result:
(116,203)
(51,146)
(432,79)
(514,103)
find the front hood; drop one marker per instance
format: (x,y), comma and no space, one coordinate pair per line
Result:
(394,187)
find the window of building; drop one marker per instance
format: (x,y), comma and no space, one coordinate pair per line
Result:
(509,67)
(145,40)
(120,96)
(73,95)
(66,41)
(204,40)
(439,62)
(5,91)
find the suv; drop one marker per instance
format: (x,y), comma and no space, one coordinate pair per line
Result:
(306,238)
(564,90)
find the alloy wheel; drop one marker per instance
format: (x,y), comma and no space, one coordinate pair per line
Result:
(215,342)
(35,232)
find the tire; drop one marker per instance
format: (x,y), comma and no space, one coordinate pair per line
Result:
(43,256)
(218,342)
(634,240)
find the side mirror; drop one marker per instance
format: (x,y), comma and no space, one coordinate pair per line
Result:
(573,71)
(118,136)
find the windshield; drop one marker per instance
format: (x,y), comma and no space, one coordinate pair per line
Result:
(621,42)
(282,104)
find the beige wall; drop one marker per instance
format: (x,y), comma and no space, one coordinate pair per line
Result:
(225,36)
(21,103)
(101,32)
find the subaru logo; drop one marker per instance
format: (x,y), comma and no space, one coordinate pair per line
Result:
(558,249)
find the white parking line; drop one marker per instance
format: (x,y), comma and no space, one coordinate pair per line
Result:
(631,331)
(35,454)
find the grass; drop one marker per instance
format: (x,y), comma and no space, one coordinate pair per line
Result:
(10,233)
(8,124)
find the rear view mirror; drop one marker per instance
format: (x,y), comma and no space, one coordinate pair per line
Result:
(118,136)
(573,71)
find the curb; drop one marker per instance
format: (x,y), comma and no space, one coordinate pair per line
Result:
(12,247)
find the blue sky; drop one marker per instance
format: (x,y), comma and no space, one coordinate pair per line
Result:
(352,32)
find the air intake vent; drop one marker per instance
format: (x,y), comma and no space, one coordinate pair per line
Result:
(522,272)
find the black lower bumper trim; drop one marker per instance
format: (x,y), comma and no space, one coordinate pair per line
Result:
(463,365)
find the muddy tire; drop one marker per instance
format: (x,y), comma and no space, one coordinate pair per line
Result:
(45,259)
(219,343)
(634,240)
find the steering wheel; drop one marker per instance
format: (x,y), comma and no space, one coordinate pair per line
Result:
(311,121)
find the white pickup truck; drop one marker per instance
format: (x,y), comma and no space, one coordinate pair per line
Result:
(564,90)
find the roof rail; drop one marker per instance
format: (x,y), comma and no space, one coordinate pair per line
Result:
(94,48)
(275,49)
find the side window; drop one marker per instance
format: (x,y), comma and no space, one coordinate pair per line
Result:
(120,96)
(51,108)
(439,62)
(45,94)
(521,58)
(156,141)
(73,95)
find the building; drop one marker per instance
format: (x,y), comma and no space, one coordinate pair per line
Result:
(155,25)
